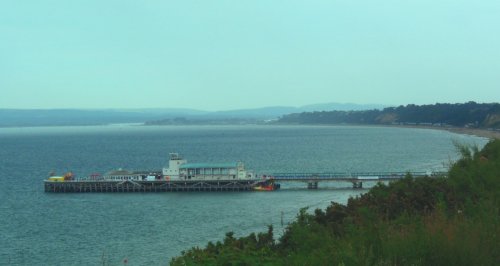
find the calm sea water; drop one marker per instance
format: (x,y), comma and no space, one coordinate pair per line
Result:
(147,228)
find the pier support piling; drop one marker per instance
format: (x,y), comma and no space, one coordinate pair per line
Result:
(312,185)
(357,184)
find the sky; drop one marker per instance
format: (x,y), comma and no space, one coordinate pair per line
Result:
(222,55)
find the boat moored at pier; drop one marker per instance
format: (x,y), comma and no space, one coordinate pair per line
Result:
(266,185)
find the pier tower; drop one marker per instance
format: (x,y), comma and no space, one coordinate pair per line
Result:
(174,164)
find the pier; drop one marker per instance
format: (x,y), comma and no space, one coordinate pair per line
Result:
(180,175)
(311,179)
(86,186)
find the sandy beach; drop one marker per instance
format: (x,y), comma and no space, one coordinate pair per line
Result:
(490,134)
(477,132)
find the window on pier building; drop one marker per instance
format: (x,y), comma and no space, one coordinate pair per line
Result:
(216,171)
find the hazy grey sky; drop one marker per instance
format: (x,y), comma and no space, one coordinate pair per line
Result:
(218,55)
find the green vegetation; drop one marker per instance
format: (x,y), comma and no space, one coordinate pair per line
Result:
(468,114)
(452,220)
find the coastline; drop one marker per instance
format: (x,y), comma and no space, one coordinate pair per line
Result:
(484,133)
(476,132)
(489,134)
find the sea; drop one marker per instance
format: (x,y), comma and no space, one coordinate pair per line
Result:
(38,228)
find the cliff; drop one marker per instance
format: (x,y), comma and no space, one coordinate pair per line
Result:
(471,114)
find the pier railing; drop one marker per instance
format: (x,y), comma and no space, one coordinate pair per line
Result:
(344,176)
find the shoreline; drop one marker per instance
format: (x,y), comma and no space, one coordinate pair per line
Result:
(484,133)
(476,132)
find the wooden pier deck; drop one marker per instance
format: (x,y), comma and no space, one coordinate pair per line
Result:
(89,186)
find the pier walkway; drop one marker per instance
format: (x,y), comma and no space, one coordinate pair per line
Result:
(356,178)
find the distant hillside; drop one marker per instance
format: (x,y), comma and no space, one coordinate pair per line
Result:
(471,114)
(157,116)
(277,111)
(340,107)
(68,117)
(256,115)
